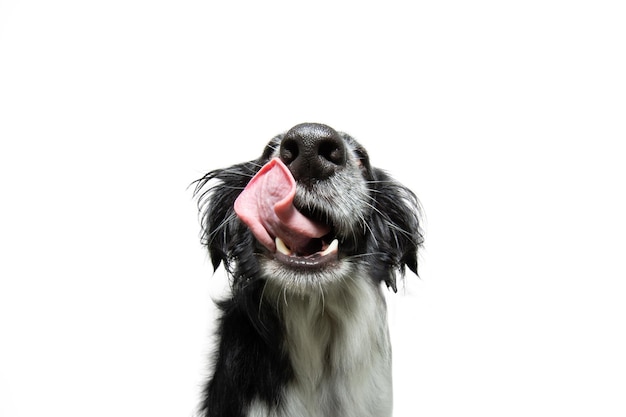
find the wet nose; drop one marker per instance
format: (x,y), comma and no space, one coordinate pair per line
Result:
(312,151)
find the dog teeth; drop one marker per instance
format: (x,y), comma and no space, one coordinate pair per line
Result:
(281,247)
(334,245)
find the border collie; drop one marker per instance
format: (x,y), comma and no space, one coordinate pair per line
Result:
(307,233)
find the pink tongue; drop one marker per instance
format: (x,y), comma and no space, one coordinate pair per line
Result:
(266,207)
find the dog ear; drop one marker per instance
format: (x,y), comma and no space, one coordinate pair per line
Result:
(396,228)
(216,193)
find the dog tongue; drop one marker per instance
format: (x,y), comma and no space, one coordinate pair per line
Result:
(266,207)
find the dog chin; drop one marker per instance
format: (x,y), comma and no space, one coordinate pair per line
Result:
(302,276)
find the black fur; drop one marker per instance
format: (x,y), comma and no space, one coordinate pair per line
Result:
(250,361)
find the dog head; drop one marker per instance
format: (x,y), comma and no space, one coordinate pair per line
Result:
(310,212)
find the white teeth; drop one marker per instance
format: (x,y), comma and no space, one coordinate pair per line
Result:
(334,245)
(281,247)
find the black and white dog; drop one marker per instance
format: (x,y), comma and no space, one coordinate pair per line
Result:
(307,233)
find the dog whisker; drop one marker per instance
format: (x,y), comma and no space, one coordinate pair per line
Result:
(220,228)
(322,297)
(285,296)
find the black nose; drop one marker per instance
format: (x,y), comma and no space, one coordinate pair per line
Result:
(312,151)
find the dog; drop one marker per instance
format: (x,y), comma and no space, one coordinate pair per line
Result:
(308,233)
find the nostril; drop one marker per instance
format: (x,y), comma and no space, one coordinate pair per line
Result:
(289,151)
(332,151)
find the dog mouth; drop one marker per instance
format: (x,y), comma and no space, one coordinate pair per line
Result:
(316,254)
(297,237)
(313,253)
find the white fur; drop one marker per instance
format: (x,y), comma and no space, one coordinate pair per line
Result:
(338,344)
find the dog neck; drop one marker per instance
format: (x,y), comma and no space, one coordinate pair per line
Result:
(338,345)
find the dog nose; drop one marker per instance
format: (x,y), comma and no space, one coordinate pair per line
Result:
(312,151)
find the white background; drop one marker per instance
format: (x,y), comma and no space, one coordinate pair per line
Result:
(506,118)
